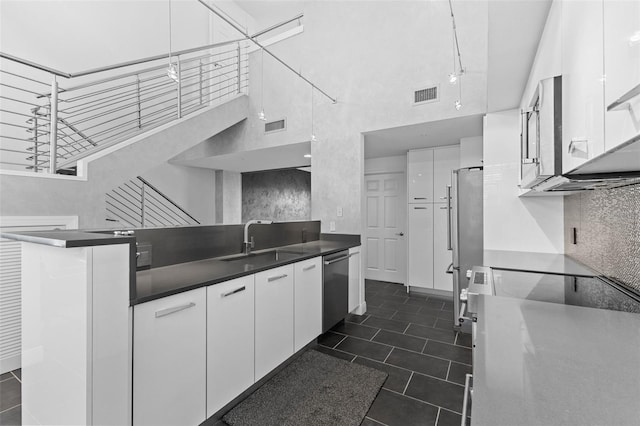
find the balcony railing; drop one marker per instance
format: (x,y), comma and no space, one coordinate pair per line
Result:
(45,126)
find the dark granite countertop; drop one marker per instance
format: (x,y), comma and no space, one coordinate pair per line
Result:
(544,263)
(68,238)
(160,282)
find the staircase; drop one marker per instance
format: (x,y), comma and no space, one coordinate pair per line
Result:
(50,119)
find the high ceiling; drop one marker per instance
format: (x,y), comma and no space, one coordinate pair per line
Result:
(514,29)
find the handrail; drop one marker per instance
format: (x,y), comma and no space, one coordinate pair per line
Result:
(167,198)
(264,49)
(143,60)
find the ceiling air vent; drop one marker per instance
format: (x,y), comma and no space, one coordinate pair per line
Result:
(425,95)
(275,126)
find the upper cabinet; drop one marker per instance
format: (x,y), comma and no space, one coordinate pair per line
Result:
(429,173)
(420,176)
(622,70)
(582,82)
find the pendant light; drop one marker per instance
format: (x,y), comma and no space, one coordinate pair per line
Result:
(261,116)
(455,76)
(172,71)
(313,135)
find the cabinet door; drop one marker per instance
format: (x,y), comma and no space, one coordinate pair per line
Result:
(354,278)
(274,318)
(420,176)
(169,362)
(442,256)
(421,245)
(622,68)
(230,344)
(307,301)
(582,82)
(445,160)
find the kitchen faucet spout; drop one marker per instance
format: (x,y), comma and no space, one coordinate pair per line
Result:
(249,244)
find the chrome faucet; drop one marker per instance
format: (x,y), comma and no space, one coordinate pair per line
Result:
(249,244)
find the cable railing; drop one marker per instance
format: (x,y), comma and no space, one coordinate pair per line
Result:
(138,204)
(45,127)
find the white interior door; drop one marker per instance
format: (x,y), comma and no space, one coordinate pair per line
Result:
(386,222)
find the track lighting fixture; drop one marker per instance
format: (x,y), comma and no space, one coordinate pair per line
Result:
(261,115)
(172,71)
(458,71)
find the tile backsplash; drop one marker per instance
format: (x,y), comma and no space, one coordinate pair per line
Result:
(608,231)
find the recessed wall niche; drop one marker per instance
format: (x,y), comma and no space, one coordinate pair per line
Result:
(278,195)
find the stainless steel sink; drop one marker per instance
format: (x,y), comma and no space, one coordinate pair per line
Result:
(264,257)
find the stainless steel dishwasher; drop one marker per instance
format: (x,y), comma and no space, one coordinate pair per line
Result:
(335,289)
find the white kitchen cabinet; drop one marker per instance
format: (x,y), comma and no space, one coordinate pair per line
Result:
(169,360)
(273,318)
(445,160)
(582,82)
(308,301)
(622,70)
(420,246)
(442,256)
(420,176)
(354,278)
(230,341)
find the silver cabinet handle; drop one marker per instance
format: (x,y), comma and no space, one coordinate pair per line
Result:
(419,198)
(449,247)
(329,262)
(574,142)
(237,290)
(400,234)
(169,311)
(444,208)
(619,103)
(420,208)
(308,268)
(465,400)
(277,277)
(449,269)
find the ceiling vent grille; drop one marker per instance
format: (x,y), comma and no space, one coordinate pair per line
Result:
(425,95)
(275,126)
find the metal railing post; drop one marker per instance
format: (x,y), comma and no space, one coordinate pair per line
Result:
(200,81)
(142,212)
(179,83)
(53,127)
(35,141)
(239,70)
(139,103)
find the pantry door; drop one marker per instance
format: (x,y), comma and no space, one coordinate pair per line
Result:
(386,227)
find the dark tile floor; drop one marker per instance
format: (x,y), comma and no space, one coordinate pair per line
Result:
(10,409)
(409,336)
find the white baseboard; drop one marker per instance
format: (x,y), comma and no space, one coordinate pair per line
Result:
(10,363)
(361,309)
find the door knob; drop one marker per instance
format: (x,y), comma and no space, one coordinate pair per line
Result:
(400,233)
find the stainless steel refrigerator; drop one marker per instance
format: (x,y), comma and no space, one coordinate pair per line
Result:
(465,230)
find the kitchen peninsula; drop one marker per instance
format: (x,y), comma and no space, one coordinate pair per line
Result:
(105,332)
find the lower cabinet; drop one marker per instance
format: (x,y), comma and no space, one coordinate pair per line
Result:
(273,318)
(354,278)
(442,256)
(169,360)
(307,302)
(230,345)
(420,245)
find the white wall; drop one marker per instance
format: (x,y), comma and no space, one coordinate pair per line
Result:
(511,222)
(191,188)
(471,152)
(397,163)
(548,61)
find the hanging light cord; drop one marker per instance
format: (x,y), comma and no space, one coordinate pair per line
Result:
(455,38)
(262,79)
(312,133)
(170,33)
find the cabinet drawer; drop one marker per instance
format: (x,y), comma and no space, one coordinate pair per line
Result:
(169,363)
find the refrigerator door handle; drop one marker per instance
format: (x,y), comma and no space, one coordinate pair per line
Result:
(448,195)
(449,269)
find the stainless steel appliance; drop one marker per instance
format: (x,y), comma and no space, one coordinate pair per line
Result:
(541,134)
(465,231)
(335,289)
